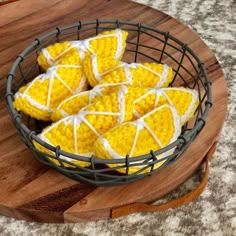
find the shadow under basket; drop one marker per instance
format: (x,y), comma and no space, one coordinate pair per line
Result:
(144,44)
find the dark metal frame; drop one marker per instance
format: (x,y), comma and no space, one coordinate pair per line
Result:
(99,174)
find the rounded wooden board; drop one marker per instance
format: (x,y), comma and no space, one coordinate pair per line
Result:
(33,192)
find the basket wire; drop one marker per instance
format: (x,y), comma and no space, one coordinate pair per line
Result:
(144,43)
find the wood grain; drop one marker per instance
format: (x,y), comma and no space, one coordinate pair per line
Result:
(33,192)
(4,2)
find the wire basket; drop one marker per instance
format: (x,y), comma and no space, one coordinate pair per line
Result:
(144,44)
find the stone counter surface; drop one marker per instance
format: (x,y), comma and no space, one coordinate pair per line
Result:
(214,212)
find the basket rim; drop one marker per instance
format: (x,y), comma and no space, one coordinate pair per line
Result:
(16,117)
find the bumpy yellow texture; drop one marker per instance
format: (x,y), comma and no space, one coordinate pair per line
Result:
(75,103)
(184,100)
(54,50)
(134,138)
(99,45)
(102,65)
(41,96)
(141,76)
(102,70)
(73,133)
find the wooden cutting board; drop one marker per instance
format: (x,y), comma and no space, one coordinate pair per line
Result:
(33,192)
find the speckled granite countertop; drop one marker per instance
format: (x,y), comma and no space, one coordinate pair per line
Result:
(214,212)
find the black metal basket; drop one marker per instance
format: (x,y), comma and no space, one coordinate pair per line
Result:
(144,44)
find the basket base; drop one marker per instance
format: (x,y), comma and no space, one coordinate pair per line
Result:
(31,191)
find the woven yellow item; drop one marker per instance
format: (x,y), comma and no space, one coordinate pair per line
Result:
(77,134)
(105,70)
(96,67)
(153,131)
(40,97)
(184,100)
(75,103)
(109,43)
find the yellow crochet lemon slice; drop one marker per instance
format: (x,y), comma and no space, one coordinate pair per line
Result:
(95,67)
(40,97)
(109,43)
(153,131)
(77,134)
(105,70)
(75,103)
(150,75)
(50,55)
(184,100)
